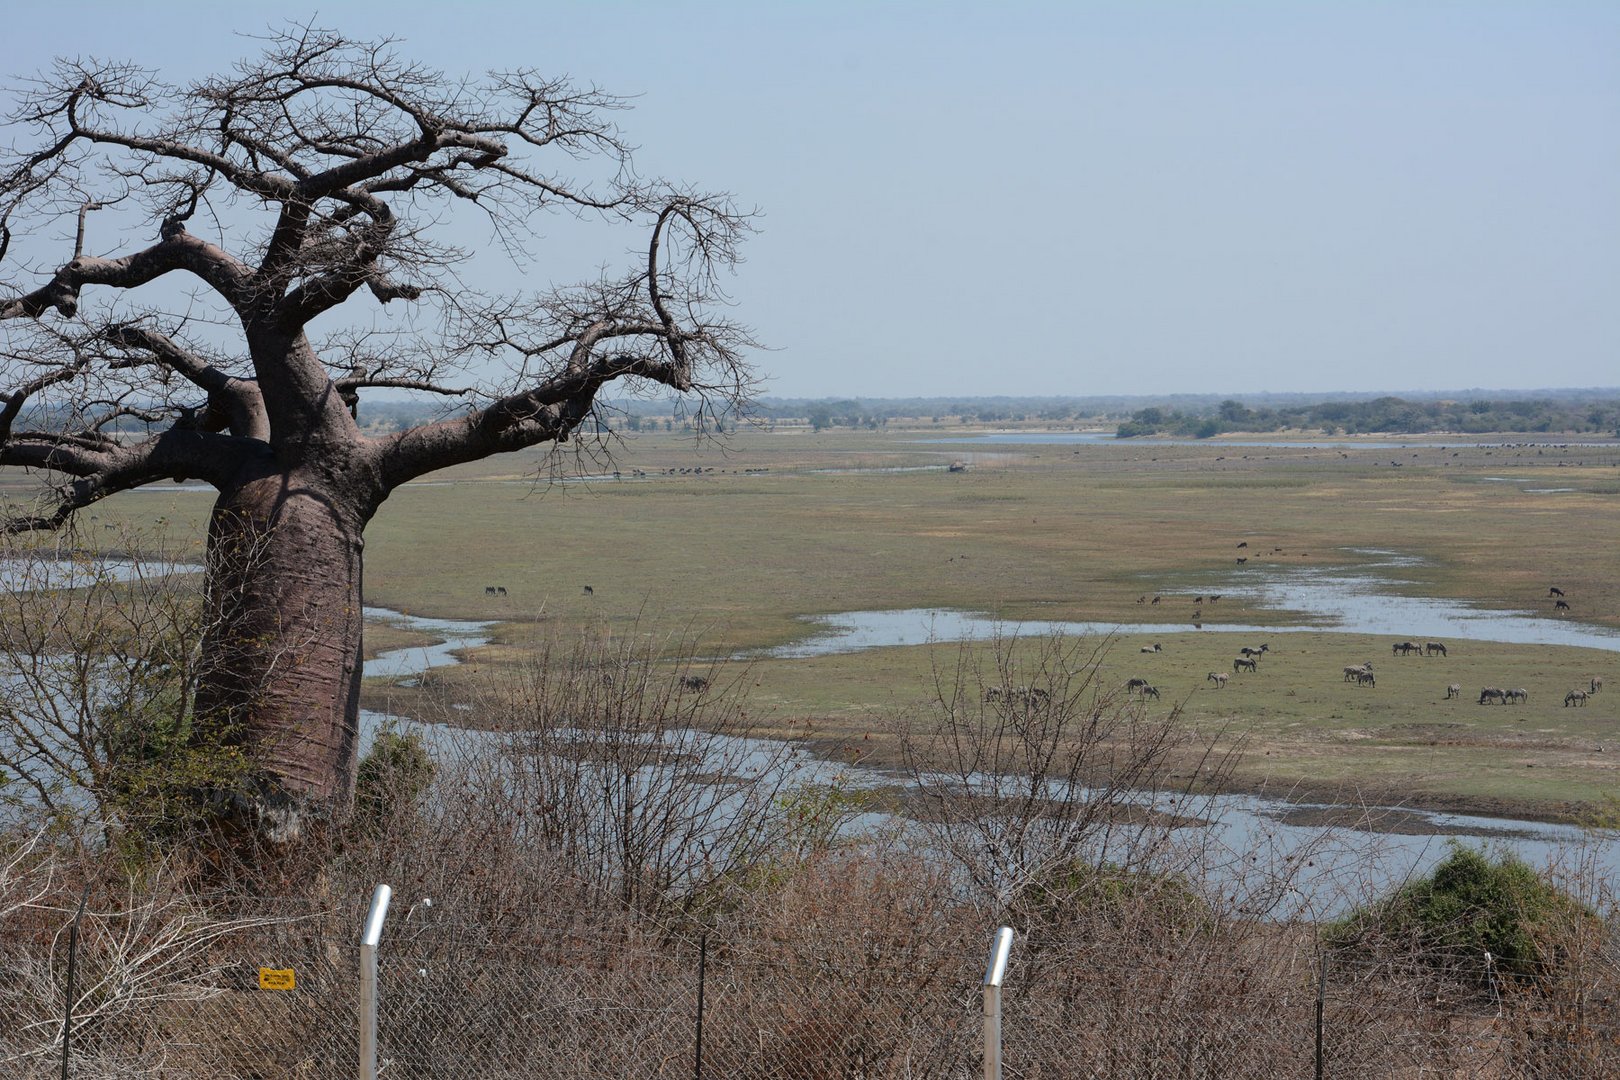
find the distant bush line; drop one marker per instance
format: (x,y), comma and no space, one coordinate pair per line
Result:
(1383,416)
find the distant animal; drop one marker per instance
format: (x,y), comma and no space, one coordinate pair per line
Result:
(694,682)
(1405,648)
(1241,560)
(1155,647)
(1141,599)
(1135,684)
(1218,678)
(1454,690)
(1155,601)
(1597,683)
(1198,599)
(1490,694)
(1517,694)
(1555,591)
(1215,597)
(1366,679)
(1243,663)
(586,590)
(1243,543)
(1356,671)
(1151,691)
(1255,653)
(500,590)
(1031,696)
(489,590)
(992,694)
(1432,647)
(1575,697)
(1559,605)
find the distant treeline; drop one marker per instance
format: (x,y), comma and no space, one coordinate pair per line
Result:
(1383,415)
(1195,415)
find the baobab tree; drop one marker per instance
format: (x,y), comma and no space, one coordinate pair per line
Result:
(303,201)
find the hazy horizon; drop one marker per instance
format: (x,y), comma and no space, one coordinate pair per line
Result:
(1087,199)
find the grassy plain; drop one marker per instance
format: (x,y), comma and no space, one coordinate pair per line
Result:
(787,524)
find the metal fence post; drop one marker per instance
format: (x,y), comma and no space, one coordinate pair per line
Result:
(368,980)
(73,962)
(1321,1004)
(994,974)
(703,957)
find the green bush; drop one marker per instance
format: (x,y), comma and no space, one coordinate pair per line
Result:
(1470,905)
(393,775)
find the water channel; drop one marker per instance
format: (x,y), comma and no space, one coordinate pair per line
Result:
(1386,846)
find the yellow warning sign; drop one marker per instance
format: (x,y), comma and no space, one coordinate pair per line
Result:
(277,979)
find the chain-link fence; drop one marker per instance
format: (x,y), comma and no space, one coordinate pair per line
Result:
(194,991)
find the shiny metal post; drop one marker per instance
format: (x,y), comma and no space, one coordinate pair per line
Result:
(368,980)
(994,974)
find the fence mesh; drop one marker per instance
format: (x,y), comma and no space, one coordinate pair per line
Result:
(184,994)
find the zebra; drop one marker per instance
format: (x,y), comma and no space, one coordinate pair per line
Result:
(1243,663)
(1575,697)
(1518,694)
(1433,647)
(1454,690)
(1218,678)
(1492,693)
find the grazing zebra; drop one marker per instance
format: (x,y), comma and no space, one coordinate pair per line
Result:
(1454,690)
(1597,683)
(1356,671)
(1406,648)
(1491,693)
(1150,692)
(586,590)
(1032,696)
(1575,697)
(1518,694)
(489,590)
(1135,684)
(1254,654)
(1366,679)
(1218,678)
(1243,663)
(1434,647)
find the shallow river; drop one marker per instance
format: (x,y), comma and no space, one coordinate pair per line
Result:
(1388,846)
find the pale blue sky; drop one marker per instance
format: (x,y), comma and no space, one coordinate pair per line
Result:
(1082,198)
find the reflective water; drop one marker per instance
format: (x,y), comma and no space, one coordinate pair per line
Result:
(1330,864)
(1068,437)
(1355,599)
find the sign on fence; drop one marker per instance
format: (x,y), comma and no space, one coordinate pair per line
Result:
(277,979)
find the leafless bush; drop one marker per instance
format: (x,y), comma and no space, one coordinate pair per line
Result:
(1025,768)
(100,658)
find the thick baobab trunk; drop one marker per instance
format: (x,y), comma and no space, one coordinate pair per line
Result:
(284,641)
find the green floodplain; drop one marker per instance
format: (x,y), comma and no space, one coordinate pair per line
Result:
(726,547)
